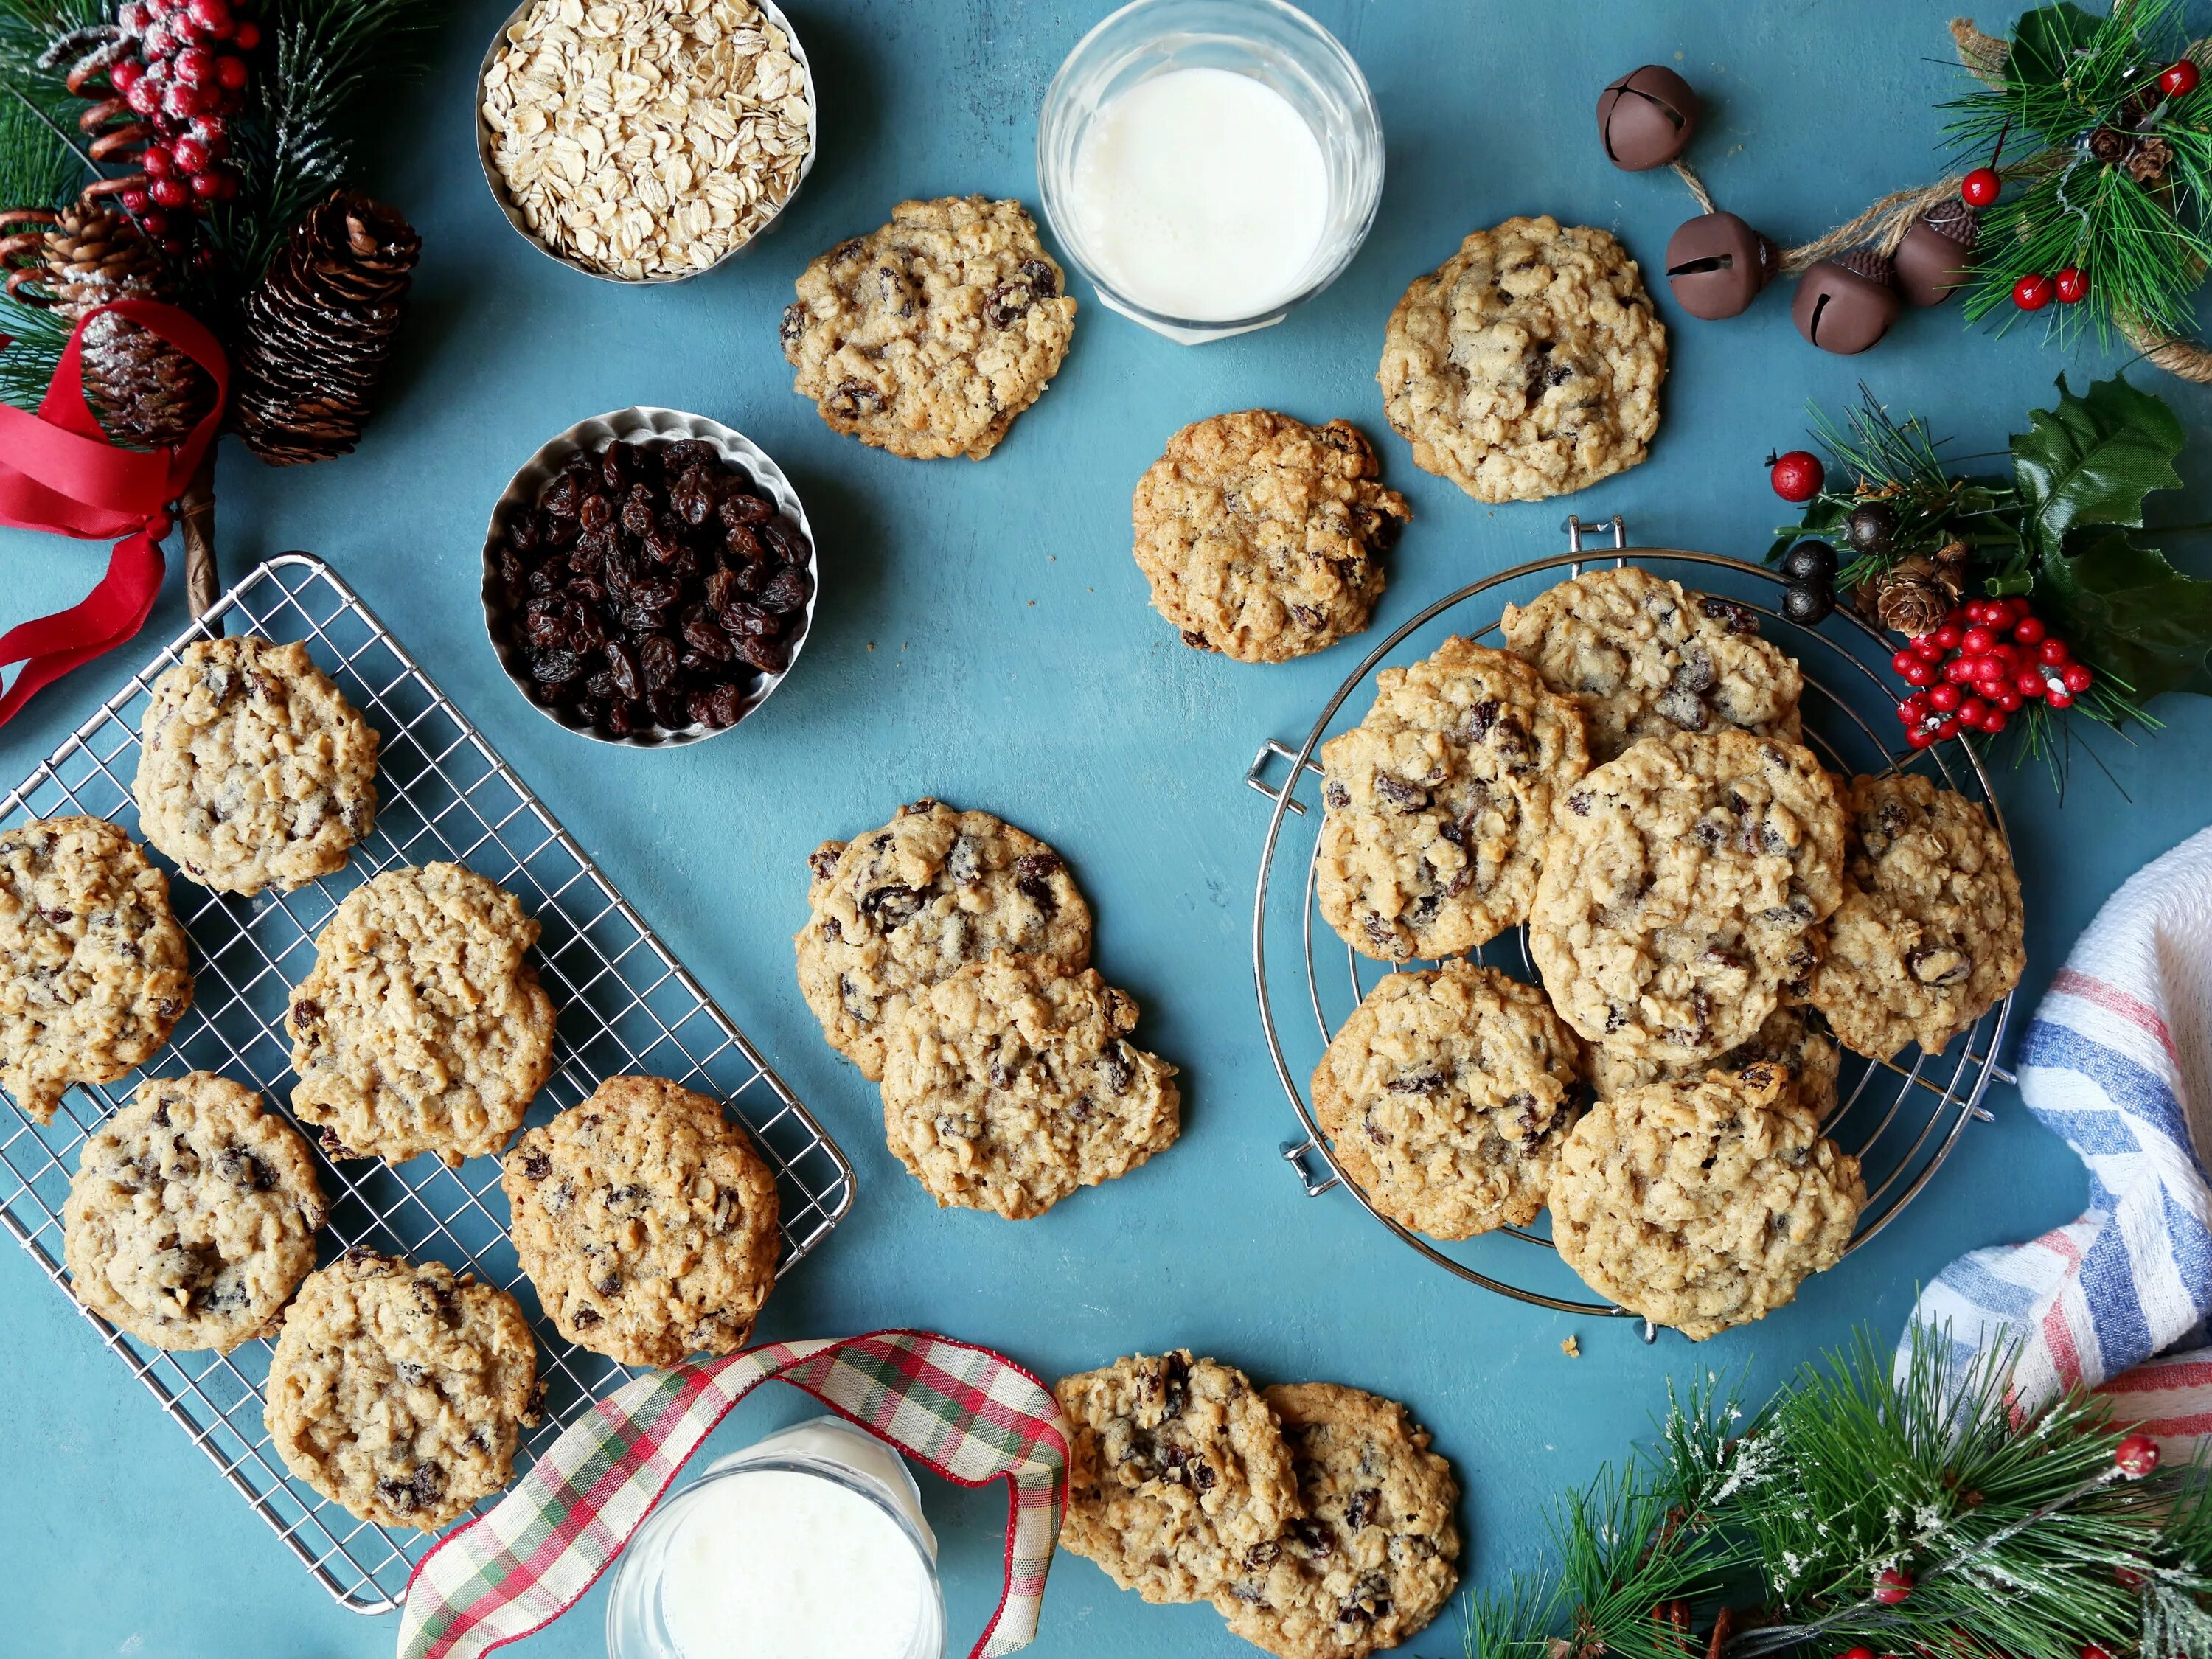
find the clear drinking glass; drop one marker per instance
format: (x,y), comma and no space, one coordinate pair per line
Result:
(1268,39)
(828,1448)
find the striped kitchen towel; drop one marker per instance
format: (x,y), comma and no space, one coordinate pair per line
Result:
(963,1413)
(2117,1062)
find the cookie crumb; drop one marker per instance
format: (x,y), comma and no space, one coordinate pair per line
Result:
(1572,1347)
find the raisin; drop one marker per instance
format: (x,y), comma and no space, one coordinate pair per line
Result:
(742,508)
(785,544)
(787,590)
(854,397)
(1359,1510)
(770,656)
(585,1318)
(789,330)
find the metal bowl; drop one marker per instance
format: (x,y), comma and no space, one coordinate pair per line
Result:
(595,435)
(486,141)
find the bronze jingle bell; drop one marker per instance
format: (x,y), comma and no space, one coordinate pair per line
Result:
(1647,118)
(1846,304)
(1936,257)
(1716,265)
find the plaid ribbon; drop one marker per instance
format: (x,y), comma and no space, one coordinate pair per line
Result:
(963,1412)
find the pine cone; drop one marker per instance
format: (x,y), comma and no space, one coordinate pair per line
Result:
(2149,162)
(142,388)
(1910,604)
(319,330)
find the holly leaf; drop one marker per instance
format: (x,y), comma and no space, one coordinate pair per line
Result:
(2042,42)
(2125,609)
(2093,459)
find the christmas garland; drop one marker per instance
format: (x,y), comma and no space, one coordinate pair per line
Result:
(2025,602)
(1866,1511)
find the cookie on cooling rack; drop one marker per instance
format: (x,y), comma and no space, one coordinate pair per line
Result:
(926,338)
(1375,1557)
(253,770)
(1702,1206)
(893,912)
(400,1389)
(647,1222)
(1683,886)
(1645,657)
(93,976)
(1176,1473)
(193,1215)
(1262,536)
(1529,364)
(1446,1095)
(1437,804)
(422,1028)
(1794,1041)
(1929,938)
(1009,1085)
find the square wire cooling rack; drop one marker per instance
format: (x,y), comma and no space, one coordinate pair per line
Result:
(625,1005)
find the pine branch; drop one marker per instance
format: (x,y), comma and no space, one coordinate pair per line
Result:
(35,339)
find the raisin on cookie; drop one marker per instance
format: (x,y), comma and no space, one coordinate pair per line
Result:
(1527,365)
(1446,1095)
(1683,888)
(253,769)
(928,337)
(193,1215)
(1009,1085)
(1262,536)
(92,977)
(646,1222)
(1437,806)
(1176,1472)
(1644,657)
(1704,1206)
(1376,1556)
(1929,938)
(421,1027)
(400,1389)
(1794,1041)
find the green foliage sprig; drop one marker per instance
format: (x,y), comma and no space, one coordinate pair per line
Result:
(2021,1539)
(2136,222)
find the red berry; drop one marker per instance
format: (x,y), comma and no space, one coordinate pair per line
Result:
(1860,1653)
(207,186)
(2076,676)
(2059,697)
(1993,723)
(2006,653)
(172,244)
(1796,476)
(1920,736)
(2127,1578)
(156,40)
(211,131)
(134,202)
(1949,728)
(135,17)
(154,223)
(1958,670)
(2053,651)
(156,162)
(123,73)
(2029,629)
(1977,610)
(210,16)
(191,155)
(1947,635)
(2179,79)
(1892,1585)
(1920,673)
(1972,711)
(1905,715)
(144,96)
(2030,684)
(180,102)
(2003,613)
(194,64)
(245,36)
(2033,292)
(1945,696)
(2008,700)
(1924,647)
(169,192)
(230,73)
(1980,187)
(1976,641)
(2073,285)
(1902,660)
(2136,1457)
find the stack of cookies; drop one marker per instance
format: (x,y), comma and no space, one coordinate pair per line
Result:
(1710,911)
(947,955)
(647,1222)
(1312,1515)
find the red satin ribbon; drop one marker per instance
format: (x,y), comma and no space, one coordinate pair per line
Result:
(60,472)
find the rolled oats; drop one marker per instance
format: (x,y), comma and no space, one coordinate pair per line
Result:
(647,138)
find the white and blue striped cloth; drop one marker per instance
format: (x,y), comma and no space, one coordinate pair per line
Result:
(2117,1062)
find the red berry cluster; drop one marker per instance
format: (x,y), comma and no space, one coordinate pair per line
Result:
(1979,666)
(185,81)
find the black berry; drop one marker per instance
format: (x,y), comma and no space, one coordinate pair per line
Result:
(1810,562)
(1871,528)
(1803,602)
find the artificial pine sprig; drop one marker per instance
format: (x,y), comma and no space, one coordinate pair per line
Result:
(2119,189)
(1904,1509)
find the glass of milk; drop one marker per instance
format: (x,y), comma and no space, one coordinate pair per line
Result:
(809,1544)
(1209,163)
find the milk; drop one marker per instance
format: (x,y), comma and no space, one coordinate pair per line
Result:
(773,1564)
(1200,194)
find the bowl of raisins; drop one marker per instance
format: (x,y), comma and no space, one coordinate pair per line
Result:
(650,577)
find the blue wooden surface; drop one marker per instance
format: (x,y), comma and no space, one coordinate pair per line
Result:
(984,637)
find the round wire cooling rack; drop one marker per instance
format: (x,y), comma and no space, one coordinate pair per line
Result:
(1901,1119)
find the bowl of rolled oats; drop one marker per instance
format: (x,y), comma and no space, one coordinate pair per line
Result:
(645,140)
